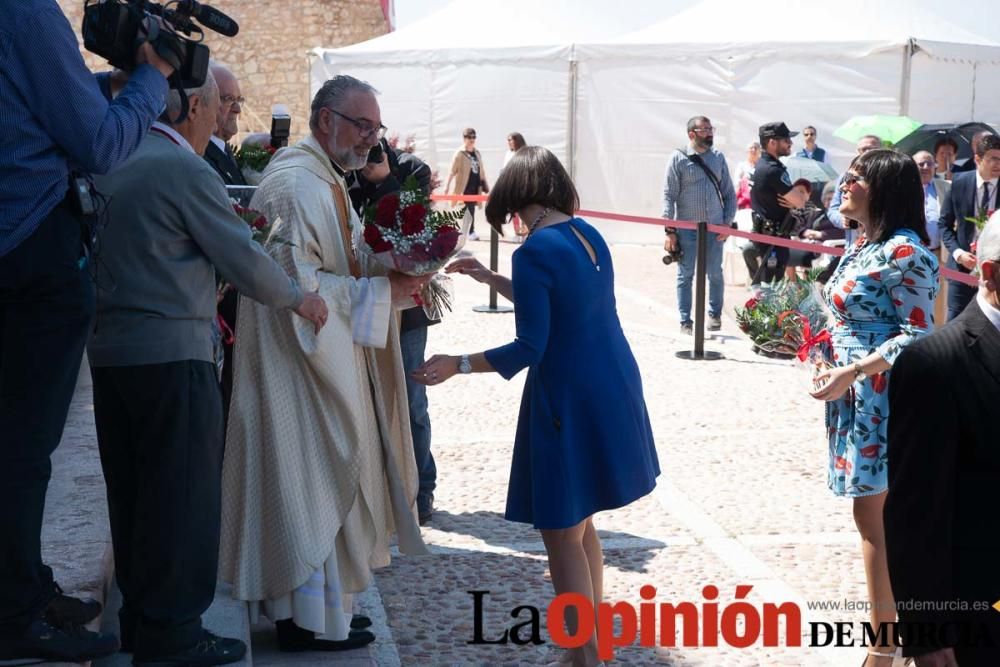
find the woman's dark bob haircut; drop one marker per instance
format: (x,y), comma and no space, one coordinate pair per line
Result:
(533,176)
(895,193)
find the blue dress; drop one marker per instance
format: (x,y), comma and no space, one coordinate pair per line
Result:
(882,299)
(583,440)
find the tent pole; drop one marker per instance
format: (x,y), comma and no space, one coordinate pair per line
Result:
(904,86)
(571,147)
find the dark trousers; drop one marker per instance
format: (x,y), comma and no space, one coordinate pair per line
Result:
(46,305)
(227,309)
(159,428)
(754,258)
(470,208)
(413,343)
(959,296)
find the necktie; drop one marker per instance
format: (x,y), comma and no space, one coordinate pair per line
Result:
(984,205)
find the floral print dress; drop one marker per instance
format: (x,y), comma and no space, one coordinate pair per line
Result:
(882,298)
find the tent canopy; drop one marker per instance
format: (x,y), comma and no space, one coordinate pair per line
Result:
(609,87)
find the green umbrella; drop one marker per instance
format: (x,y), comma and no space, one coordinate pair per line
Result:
(889,129)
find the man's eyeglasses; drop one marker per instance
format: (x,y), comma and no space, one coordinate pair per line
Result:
(365,128)
(925,164)
(470,136)
(704,130)
(851,179)
(229,100)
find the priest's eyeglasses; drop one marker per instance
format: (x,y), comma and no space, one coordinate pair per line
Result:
(365,128)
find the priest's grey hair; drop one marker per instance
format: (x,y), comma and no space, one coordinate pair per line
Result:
(333,92)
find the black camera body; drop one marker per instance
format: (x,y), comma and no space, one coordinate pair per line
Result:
(673,256)
(114,30)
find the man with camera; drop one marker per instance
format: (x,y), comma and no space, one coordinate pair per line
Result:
(771,198)
(157,404)
(56,127)
(386,171)
(697,187)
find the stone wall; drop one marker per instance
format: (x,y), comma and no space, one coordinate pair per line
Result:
(270,53)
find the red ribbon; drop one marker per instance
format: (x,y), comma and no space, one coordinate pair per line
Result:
(227,333)
(809,341)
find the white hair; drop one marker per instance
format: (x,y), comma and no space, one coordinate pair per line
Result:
(988,244)
(207,89)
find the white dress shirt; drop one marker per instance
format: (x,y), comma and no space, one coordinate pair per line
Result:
(932,211)
(992,314)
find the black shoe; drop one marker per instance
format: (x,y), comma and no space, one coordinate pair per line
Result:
(293,639)
(425,510)
(211,650)
(66,610)
(69,643)
(714,323)
(360,622)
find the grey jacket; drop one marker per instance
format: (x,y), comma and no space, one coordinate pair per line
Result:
(170,225)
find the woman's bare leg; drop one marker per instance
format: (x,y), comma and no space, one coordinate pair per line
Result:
(868,518)
(571,572)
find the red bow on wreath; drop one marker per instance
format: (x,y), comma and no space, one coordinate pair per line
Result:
(809,341)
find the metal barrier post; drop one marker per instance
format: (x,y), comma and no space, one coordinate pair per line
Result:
(700,271)
(494,264)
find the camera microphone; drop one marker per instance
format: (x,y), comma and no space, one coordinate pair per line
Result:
(208,16)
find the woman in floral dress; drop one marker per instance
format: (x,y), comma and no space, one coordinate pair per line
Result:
(882,299)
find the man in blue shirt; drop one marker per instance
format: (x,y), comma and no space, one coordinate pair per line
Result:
(697,188)
(53,119)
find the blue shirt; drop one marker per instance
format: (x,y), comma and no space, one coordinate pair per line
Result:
(53,114)
(689,194)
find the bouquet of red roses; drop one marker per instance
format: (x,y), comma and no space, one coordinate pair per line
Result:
(789,320)
(402,232)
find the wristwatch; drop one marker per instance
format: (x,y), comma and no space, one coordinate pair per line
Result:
(464,365)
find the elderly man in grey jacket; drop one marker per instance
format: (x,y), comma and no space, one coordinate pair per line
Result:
(157,401)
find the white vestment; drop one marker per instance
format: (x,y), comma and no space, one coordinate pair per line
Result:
(319,468)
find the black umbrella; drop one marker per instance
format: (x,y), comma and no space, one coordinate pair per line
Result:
(924,137)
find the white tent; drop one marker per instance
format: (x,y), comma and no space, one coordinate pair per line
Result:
(609,87)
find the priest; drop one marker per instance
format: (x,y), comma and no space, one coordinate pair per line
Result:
(319,469)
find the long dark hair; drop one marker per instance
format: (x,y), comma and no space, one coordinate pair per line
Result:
(518,139)
(533,176)
(895,193)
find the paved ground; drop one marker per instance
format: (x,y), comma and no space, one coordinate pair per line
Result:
(742,501)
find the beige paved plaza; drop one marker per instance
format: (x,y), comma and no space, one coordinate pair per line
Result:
(742,500)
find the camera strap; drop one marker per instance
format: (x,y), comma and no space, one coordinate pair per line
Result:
(694,157)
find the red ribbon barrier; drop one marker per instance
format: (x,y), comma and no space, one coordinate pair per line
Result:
(950,274)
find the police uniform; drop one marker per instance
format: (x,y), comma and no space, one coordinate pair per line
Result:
(770,179)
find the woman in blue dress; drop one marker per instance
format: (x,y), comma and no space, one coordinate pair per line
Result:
(583,441)
(882,299)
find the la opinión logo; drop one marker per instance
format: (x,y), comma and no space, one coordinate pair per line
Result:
(739,623)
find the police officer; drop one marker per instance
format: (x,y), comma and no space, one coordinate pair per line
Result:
(771,197)
(53,117)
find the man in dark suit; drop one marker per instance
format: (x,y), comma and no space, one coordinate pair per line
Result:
(218,152)
(973,193)
(941,526)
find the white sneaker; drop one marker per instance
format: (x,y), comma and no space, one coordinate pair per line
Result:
(473,236)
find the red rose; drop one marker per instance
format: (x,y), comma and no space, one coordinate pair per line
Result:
(751,303)
(902,251)
(838,301)
(373,237)
(444,243)
(270,149)
(917,318)
(418,252)
(413,219)
(879,383)
(870,452)
(839,463)
(385,212)
(260,222)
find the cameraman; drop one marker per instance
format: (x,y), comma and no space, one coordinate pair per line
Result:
(366,186)
(53,119)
